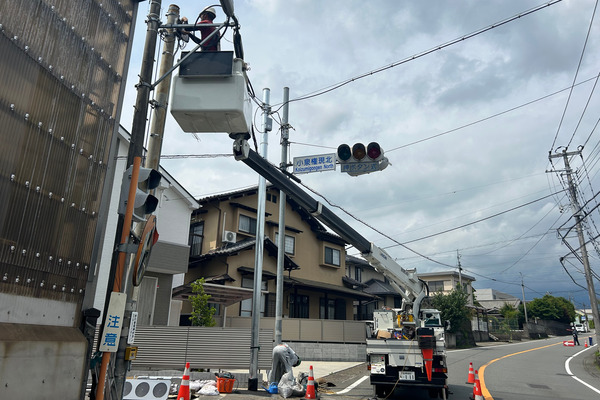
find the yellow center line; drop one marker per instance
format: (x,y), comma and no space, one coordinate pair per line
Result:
(486,393)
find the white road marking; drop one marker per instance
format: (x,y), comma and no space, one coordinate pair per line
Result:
(573,376)
(355,384)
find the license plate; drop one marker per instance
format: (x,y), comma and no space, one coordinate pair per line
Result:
(407,375)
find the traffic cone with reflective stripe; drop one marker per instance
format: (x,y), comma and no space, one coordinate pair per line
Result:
(184,388)
(477,395)
(310,386)
(471,374)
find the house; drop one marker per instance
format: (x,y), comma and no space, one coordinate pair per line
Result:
(362,273)
(222,251)
(169,255)
(493,300)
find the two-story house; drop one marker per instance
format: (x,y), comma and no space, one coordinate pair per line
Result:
(222,251)
(362,274)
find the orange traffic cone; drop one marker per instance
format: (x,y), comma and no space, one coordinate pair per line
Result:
(184,388)
(477,395)
(586,344)
(310,386)
(471,374)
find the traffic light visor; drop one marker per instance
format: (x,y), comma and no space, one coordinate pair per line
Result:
(344,152)
(373,150)
(358,151)
(151,176)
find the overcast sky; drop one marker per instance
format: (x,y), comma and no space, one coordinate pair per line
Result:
(467,128)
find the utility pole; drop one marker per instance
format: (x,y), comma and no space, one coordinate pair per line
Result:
(459,270)
(118,275)
(259,247)
(578,218)
(152,161)
(161,99)
(285,135)
(524,302)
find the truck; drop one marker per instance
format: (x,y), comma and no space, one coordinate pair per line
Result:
(405,346)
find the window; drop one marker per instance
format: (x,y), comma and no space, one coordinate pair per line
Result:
(290,243)
(195,239)
(272,198)
(332,256)
(298,306)
(358,274)
(365,311)
(246,305)
(436,286)
(332,308)
(247,224)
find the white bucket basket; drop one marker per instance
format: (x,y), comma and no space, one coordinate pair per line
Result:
(208,94)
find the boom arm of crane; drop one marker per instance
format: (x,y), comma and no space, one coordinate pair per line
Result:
(405,282)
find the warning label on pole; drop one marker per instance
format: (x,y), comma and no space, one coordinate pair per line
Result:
(114,323)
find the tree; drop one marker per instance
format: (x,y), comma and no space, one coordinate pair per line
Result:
(202,313)
(511,315)
(552,308)
(453,307)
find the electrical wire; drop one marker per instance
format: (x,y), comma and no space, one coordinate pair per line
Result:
(491,116)
(421,54)
(574,80)
(481,220)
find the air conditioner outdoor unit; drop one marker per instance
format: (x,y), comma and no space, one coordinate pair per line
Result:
(229,237)
(146,389)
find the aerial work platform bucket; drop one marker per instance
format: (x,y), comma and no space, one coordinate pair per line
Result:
(209,94)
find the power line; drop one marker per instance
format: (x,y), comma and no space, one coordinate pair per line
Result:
(423,53)
(491,116)
(482,219)
(574,80)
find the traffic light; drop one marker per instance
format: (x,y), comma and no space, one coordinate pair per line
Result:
(144,203)
(360,159)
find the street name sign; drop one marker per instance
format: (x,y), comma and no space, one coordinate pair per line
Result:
(317,163)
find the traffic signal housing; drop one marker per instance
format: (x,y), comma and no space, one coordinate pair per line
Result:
(144,203)
(360,160)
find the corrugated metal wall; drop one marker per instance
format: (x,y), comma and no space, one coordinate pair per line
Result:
(170,347)
(61,73)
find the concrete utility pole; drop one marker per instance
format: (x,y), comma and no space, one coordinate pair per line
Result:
(577,212)
(285,135)
(161,94)
(260,243)
(523,293)
(459,270)
(152,161)
(136,147)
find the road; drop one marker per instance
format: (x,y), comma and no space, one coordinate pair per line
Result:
(531,370)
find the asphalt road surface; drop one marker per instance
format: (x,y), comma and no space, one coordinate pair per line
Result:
(530,370)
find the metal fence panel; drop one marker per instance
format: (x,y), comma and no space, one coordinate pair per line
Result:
(170,347)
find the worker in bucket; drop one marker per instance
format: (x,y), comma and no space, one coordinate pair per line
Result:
(207,16)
